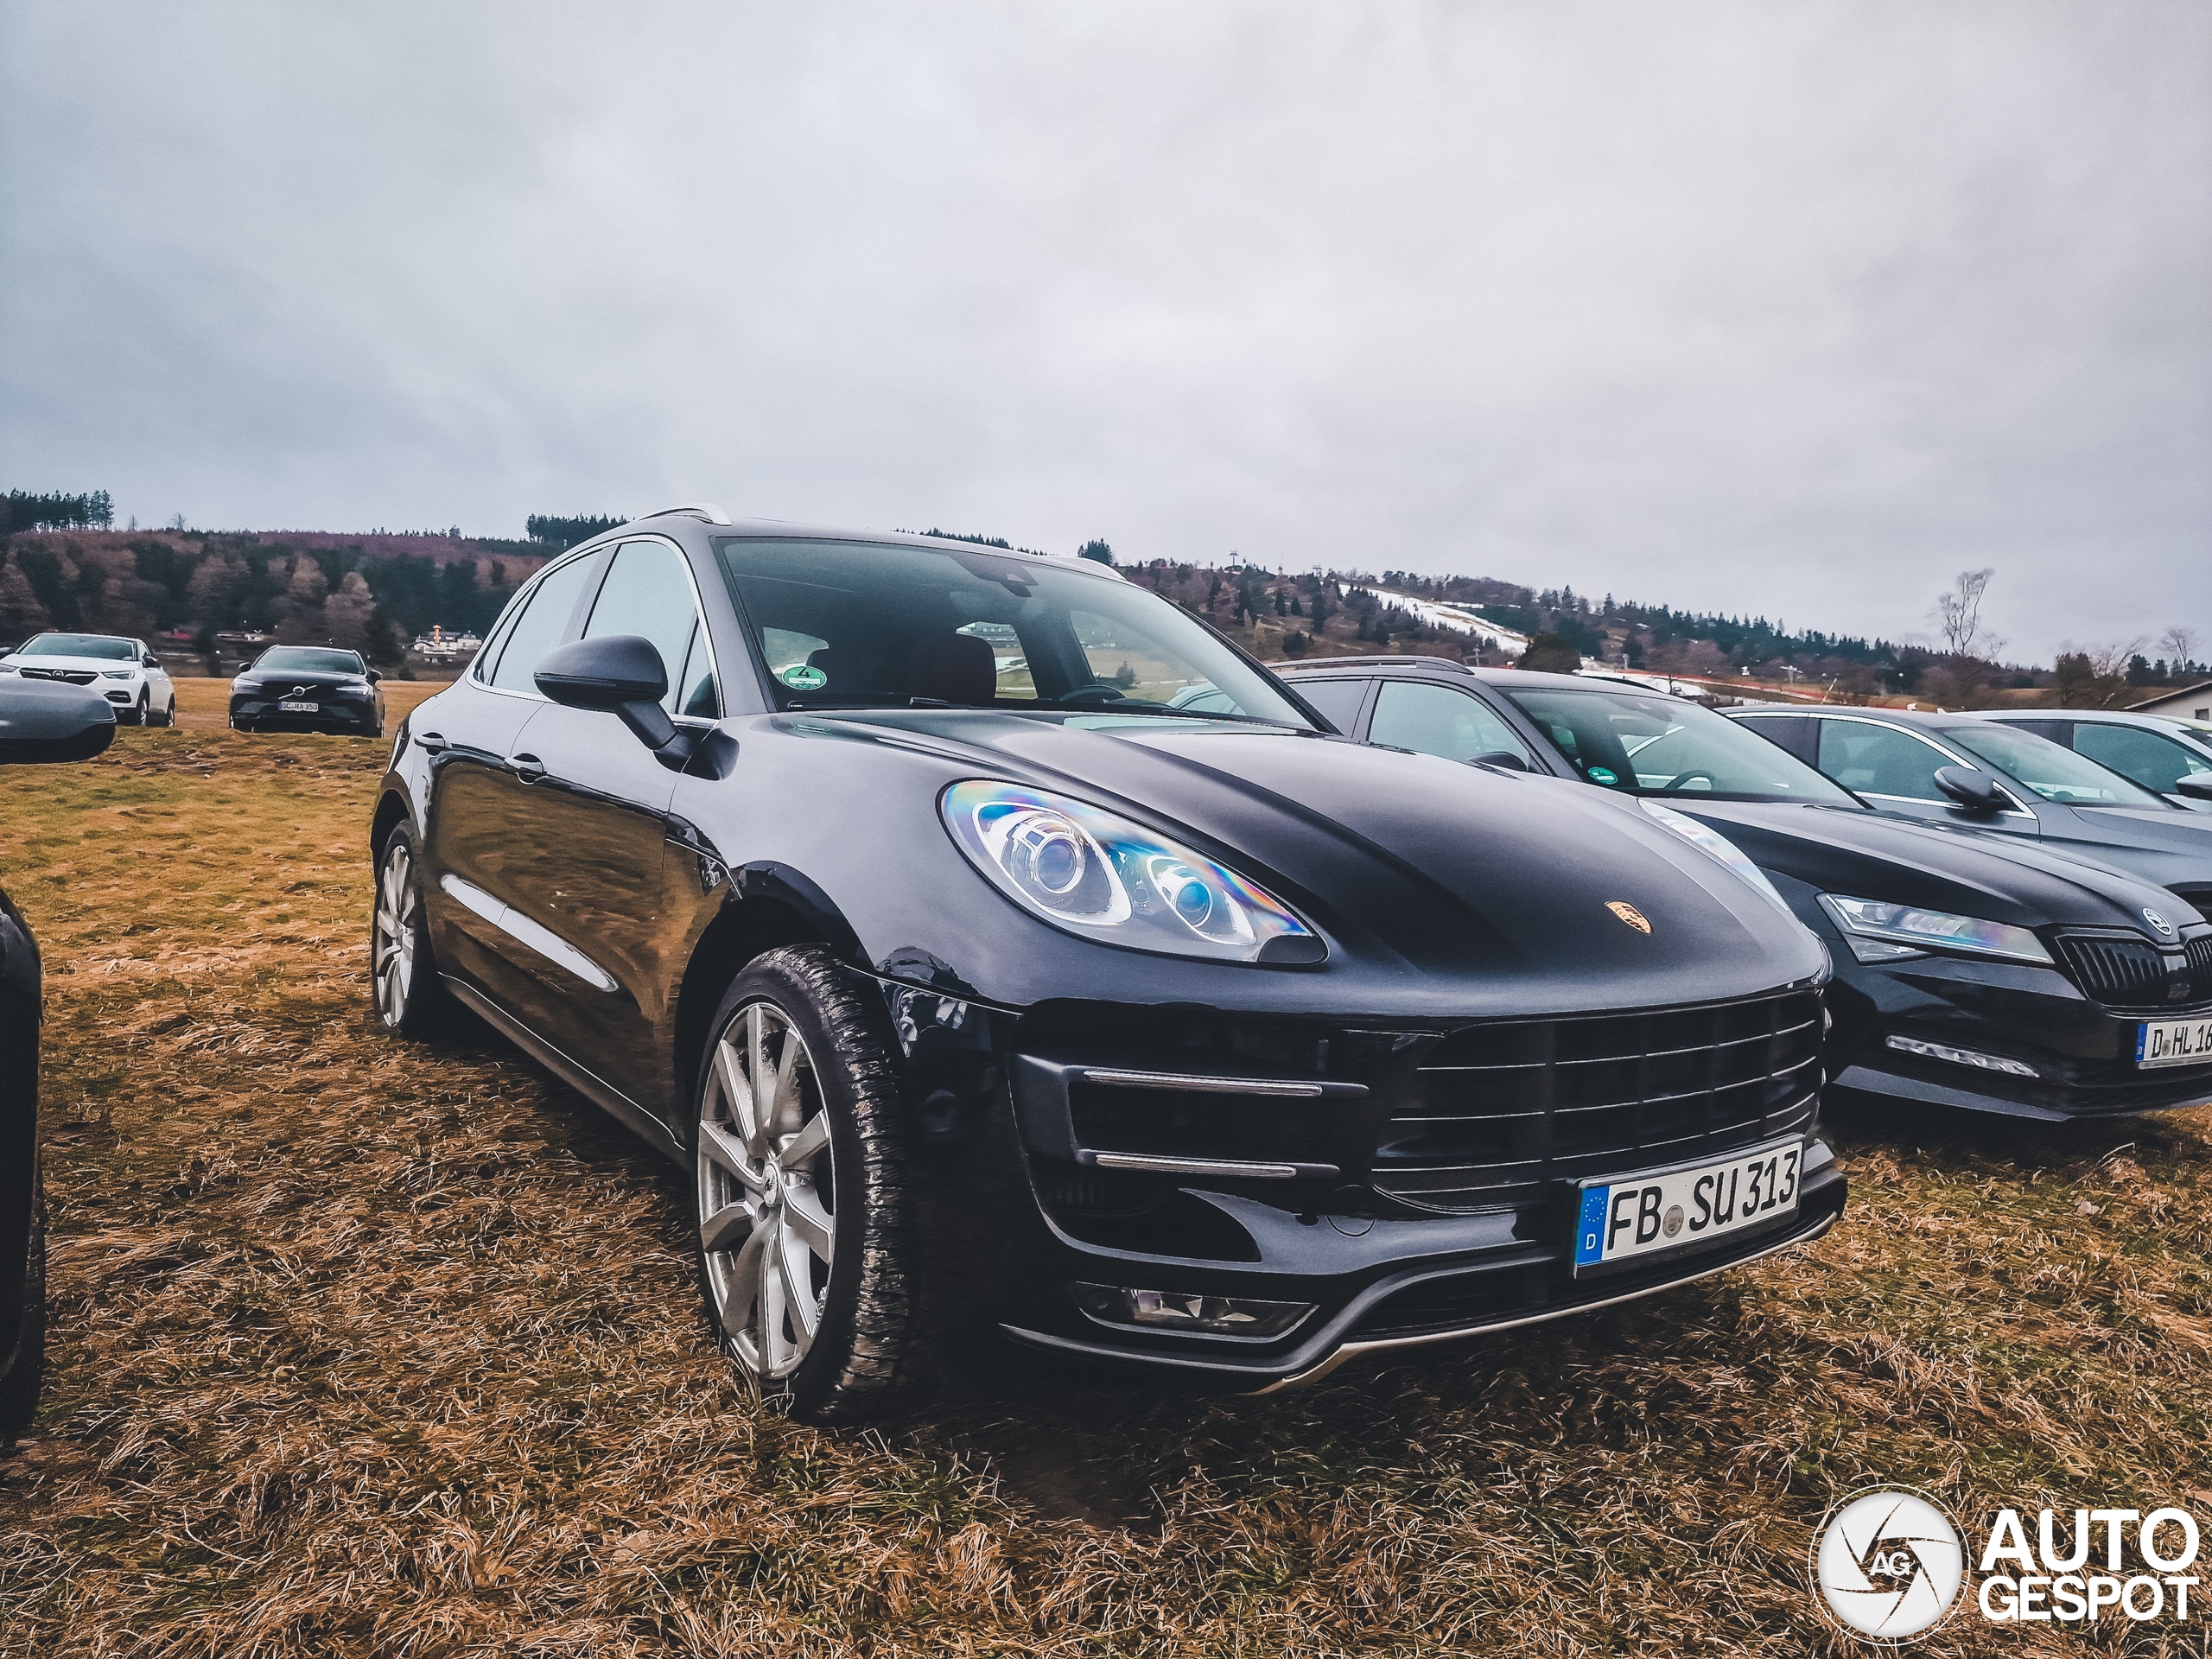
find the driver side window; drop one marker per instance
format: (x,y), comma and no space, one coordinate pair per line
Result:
(648,592)
(1441,720)
(1879,760)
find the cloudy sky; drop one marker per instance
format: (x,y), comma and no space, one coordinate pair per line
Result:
(1789,308)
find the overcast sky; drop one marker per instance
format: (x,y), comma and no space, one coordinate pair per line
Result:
(1794,309)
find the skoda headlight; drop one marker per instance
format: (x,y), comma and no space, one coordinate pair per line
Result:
(1095,874)
(1718,847)
(1890,931)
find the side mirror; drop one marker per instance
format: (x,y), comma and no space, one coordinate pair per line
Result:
(1505,758)
(621,674)
(375,677)
(48,722)
(1975,790)
(2197,787)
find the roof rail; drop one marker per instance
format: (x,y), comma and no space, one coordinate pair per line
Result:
(706,510)
(1396,659)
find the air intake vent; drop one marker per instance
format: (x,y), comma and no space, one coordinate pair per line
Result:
(1506,1109)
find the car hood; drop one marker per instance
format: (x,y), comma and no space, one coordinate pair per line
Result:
(2148,828)
(99,664)
(1872,856)
(313,681)
(1435,866)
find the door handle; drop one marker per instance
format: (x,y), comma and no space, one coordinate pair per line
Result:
(430,742)
(529,768)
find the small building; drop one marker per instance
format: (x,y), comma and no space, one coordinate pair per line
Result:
(2179,702)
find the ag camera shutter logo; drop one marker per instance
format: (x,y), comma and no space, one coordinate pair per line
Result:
(1889,1563)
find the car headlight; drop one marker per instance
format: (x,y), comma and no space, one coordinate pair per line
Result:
(118,674)
(1095,874)
(1893,931)
(1711,842)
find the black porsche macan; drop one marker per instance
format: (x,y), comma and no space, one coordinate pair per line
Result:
(1973,971)
(988,998)
(39,721)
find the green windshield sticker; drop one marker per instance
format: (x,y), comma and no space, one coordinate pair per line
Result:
(803,676)
(1603,775)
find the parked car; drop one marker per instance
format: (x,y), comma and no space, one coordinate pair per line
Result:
(992,1005)
(308,688)
(124,671)
(1969,773)
(1970,972)
(39,721)
(2168,757)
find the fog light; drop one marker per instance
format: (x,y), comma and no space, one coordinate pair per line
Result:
(1175,1310)
(1962,1056)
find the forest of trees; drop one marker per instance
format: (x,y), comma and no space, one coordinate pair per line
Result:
(21,509)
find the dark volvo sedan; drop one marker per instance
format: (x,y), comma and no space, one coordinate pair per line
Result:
(1971,970)
(308,688)
(989,997)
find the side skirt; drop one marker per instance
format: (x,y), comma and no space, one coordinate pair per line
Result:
(601,1094)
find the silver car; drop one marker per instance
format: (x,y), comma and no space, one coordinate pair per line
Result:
(2170,757)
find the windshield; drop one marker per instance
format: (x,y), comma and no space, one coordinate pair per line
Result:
(857,624)
(2052,770)
(1662,746)
(97,645)
(306,659)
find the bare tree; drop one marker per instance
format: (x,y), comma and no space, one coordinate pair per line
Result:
(1958,614)
(2110,662)
(2180,645)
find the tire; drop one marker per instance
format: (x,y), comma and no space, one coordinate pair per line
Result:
(137,715)
(411,1000)
(19,1388)
(825,1168)
(169,715)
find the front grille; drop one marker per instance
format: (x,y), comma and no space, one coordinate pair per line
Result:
(1503,1110)
(2134,973)
(73,675)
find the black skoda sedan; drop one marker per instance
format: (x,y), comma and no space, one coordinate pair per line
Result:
(1971,970)
(308,688)
(39,721)
(988,996)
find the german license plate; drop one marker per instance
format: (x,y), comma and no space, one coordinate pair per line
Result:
(2173,1042)
(1666,1209)
(299,707)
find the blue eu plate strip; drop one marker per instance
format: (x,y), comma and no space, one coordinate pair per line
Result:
(1590,1230)
(2142,1040)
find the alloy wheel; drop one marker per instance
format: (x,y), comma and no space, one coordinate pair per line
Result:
(766,1173)
(392,961)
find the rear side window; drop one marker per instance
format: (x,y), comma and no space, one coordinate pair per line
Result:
(1792,732)
(544,619)
(1338,700)
(648,592)
(1880,760)
(1441,720)
(2146,758)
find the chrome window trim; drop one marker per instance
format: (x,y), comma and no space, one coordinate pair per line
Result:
(2016,810)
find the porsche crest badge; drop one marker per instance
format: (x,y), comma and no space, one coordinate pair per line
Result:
(1629,914)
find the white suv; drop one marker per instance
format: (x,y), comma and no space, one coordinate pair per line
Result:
(124,671)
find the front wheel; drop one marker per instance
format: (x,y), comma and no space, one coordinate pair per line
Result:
(167,716)
(805,1236)
(403,975)
(136,714)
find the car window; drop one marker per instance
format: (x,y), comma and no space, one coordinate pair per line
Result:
(1338,700)
(99,647)
(1648,745)
(308,659)
(1881,760)
(2054,771)
(2148,758)
(903,624)
(1790,732)
(1441,720)
(543,619)
(648,592)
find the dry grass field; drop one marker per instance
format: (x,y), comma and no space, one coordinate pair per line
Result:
(366,1348)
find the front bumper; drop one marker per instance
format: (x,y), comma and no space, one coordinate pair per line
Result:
(332,714)
(2082,1052)
(1298,1162)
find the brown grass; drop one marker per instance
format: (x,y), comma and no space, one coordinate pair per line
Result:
(368,1349)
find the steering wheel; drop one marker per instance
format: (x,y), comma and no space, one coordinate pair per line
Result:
(1094,693)
(1683,782)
